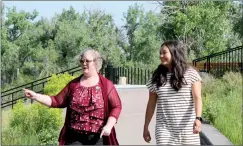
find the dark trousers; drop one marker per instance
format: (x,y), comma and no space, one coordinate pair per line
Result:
(75,138)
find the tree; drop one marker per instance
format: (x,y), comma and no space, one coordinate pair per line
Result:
(141,28)
(16,46)
(203,26)
(238,15)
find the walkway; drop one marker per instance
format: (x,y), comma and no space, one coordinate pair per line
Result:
(130,125)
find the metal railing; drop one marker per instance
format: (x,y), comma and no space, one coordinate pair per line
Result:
(134,76)
(217,64)
(221,62)
(11,96)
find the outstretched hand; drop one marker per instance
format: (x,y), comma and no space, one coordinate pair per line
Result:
(30,94)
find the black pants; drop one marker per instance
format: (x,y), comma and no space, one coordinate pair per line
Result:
(75,138)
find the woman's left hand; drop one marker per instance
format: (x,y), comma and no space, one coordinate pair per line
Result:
(196,126)
(106,130)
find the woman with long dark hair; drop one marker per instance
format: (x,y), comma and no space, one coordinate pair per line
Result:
(176,90)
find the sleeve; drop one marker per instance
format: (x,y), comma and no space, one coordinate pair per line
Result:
(60,100)
(114,103)
(194,75)
(151,86)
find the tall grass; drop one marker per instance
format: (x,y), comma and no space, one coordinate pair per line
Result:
(222,104)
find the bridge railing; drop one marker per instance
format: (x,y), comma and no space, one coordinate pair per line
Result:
(134,76)
(219,63)
(11,96)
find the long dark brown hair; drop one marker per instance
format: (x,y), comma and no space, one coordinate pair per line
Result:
(179,66)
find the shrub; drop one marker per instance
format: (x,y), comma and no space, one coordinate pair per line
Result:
(36,123)
(57,83)
(222,104)
(14,136)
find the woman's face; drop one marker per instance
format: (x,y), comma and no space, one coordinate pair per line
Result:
(165,56)
(88,63)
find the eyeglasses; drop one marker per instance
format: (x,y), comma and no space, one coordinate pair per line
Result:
(85,61)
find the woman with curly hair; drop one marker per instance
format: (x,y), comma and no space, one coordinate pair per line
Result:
(92,102)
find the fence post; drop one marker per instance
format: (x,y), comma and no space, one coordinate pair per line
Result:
(114,75)
(109,72)
(194,63)
(241,54)
(43,86)
(12,100)
(208,64)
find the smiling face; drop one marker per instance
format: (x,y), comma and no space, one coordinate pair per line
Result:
(165,56)
(87,62)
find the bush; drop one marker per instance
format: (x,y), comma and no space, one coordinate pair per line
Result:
(57,83)
(28,125)
(222,104)
(14,136)
(36,124)
(232,81)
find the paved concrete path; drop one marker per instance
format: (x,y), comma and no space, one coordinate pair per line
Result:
(130,125)
(129,128)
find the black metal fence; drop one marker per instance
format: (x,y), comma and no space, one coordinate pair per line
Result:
(134,76)
(221,62)
(11,96)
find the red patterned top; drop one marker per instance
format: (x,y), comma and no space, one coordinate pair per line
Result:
(112,106)
(87,114)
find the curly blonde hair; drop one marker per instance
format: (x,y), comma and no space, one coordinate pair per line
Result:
(98,60)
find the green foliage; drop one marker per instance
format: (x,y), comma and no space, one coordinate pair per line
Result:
(222,104)
(14,136)
(37,124)
(41,48)
(204,26)
(237,13)
(232,81)
(31,125)
(57,83)
(144,43)
(33,49)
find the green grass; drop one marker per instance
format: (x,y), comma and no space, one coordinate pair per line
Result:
(12,136)
(222,105)
(5,118)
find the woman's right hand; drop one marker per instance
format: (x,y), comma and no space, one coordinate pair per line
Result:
(30,94)
(146,135)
